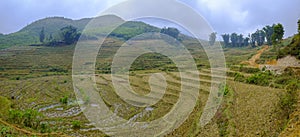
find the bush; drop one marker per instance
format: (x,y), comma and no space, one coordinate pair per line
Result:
(29,118)
(76,124)
(249,70)
(239,77)
(64,100)
(262,79)
(288,100)
(5,131)
(224,89)
(58,69)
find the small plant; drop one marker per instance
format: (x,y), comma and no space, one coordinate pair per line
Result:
(17,78)
(44,128)
(5,131)
(76,124)
(64,100)
(239,77)
(224,89)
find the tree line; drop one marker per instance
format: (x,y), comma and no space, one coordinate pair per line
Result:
(267,35)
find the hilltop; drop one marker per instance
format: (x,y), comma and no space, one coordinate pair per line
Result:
(52,25)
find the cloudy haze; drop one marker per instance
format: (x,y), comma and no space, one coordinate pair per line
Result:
(225,16)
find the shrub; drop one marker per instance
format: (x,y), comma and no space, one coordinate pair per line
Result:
(239,77)
(58,69)
(262,79)
(224,89)
(5,131)
(29,118)
(64,100)
(249,70)
(76,124)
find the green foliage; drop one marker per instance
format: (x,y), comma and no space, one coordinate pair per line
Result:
(76,124)
(261,78)
(239,77)
(292,49)
(249,69)
(52,25)
(5,131)
(57,69)
(69,34)
(131,29)
(269,32)
(234,39)
(173,32)
(224,89)
(278,33)
(246,41)
(288,100)
(29,118)
(5,106)
(44,128)
(64,100)
(298,26)
(212,38)
(42,35)
(226,38)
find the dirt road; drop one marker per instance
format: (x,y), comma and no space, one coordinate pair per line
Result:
(253,59)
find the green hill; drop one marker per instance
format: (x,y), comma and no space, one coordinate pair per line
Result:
(52,25)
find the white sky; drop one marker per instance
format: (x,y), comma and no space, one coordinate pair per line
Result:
(225,16)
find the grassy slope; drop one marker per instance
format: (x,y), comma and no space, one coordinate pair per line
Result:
(248,105)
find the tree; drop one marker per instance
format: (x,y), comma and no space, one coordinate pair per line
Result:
(212,38)
(240,40)
(50,37)
(173,32)
(69,34)
(261,37)
(42,35)
(234,39)
(246,41)
(253,39)
(269,32)
(278,33)
(226,38)
(298,26)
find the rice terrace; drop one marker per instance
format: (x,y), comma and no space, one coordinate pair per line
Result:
(70,74)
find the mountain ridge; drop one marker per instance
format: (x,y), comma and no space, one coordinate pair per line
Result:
(52,25)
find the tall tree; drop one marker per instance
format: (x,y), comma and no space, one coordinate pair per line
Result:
(299,26)
(240,40)
(42,35)
(234,39)
(69,34)
(246,41)
(226,38)
(278,33)
(261,37)
(253,39)
(269,32)
(212,38)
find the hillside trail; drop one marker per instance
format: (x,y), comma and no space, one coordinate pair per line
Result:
(254,58)
(31,133)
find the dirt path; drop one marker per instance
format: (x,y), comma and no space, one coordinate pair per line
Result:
(31,133)
(252,60)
